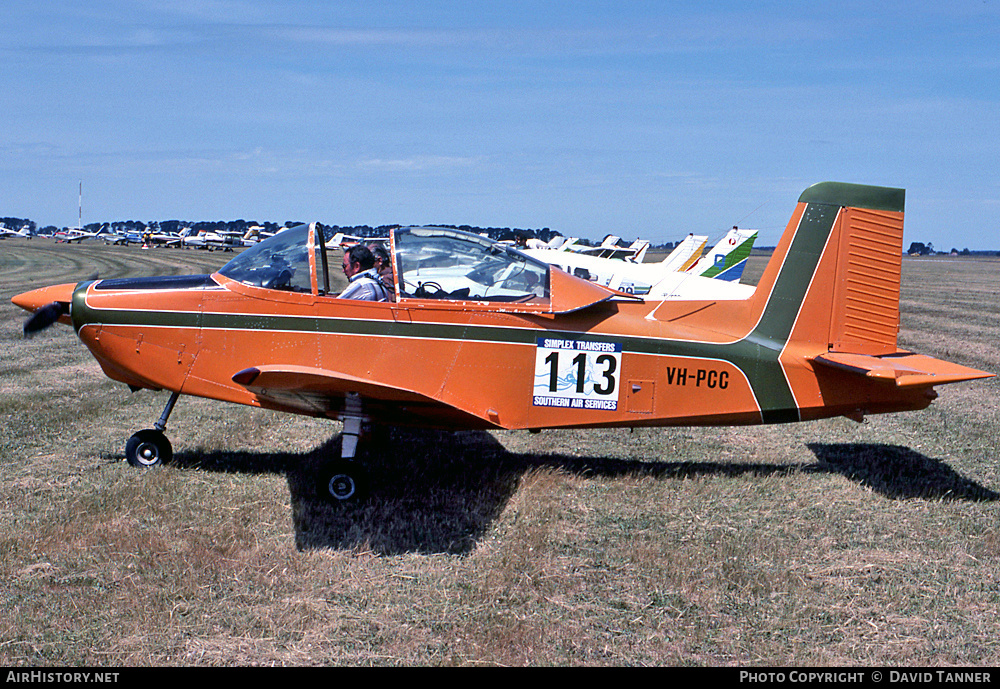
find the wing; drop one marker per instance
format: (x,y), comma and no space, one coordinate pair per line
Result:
(322,392)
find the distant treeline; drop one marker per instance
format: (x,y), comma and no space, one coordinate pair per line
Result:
(242,226)
(18,223)
(921,249)
(496,233)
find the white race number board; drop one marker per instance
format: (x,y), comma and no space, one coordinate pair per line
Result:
(577,374)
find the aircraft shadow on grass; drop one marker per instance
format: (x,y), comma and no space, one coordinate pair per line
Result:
(898,472)
(434,492)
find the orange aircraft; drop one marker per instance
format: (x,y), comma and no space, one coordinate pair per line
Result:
(481,336)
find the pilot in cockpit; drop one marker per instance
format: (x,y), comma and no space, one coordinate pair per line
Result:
(383,268)
(359,267)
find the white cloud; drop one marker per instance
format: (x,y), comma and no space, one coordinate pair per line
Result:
(418,163)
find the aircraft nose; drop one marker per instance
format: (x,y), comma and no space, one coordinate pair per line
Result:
(38,298)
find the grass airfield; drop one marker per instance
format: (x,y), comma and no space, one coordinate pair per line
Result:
(823,543)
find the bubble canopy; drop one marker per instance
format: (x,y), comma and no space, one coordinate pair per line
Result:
(427,263)
(457,265)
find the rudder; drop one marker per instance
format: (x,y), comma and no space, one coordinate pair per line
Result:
(858,277)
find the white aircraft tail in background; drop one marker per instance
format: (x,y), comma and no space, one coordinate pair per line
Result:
(6,232)
(728,258)
(684,254)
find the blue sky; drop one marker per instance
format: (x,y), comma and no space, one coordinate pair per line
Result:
(642,119)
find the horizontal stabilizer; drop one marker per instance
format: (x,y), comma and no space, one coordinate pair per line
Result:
(903,369)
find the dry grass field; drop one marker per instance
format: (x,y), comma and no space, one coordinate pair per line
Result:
(825,543)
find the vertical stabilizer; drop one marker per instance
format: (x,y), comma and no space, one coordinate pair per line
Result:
(832,284)
(835,273)
(858,278)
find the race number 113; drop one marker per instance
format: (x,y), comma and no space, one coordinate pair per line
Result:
(578,374)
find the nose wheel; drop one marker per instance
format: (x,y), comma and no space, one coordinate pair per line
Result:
(150,447)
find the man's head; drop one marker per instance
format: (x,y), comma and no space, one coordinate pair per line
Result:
(357,259)
(380,254)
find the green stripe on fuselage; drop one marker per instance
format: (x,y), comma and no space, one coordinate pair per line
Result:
(768,338)
(757,353)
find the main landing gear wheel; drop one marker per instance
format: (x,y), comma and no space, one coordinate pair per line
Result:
(148,448)
(342,481)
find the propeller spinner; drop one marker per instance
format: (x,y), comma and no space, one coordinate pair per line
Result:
(47,305)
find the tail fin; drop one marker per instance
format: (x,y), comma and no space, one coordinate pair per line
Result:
(685,253)
(818,336)
(639,247)
(728,258)
(829,298)
(835,275)
(800,309)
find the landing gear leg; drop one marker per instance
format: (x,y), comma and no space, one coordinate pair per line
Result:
(161,425)
(350,436)
(150,447)
(344,479)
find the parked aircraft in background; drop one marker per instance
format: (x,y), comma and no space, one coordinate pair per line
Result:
(523,241)
(728,258)
(345,240)
(204,239)
(166,239)
(617,274)
(608,248)
(685,253)
(71,236)
(78,235)
(256,234)
(668,279)
(127,237)
(259,234)
(6,232)
(482,336)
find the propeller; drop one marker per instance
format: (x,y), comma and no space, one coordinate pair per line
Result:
(44,317)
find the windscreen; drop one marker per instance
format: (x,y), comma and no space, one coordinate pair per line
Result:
(280,262)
